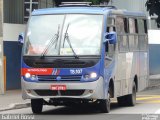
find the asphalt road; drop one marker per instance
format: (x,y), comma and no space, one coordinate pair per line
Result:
(148,102)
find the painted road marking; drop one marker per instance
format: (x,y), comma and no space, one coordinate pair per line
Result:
(144,99)
(148,99)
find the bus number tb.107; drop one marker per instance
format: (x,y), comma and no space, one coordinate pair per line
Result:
(76,71)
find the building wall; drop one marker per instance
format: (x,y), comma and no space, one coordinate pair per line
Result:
(12,51)
(1,49)
(13,25)
(13,11)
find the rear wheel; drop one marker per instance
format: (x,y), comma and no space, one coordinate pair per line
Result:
(128,100)
(37,105)
(131,99)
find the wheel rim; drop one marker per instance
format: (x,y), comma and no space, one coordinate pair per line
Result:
(108,102)
(134,95)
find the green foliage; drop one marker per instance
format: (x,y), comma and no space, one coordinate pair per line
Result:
(153,7)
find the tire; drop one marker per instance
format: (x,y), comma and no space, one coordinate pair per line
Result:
(37,105)
(131,99)
(128,100)
(122,101)
(104,105)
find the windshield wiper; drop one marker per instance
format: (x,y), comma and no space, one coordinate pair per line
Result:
(66,37)
(52,41)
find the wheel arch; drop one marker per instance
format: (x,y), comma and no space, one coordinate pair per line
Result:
(136,82)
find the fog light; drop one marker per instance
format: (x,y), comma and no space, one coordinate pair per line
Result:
(27,75)
(28,91)
(33,77)
(90,91)
(86,77)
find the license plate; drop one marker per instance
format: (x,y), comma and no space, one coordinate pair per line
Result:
(58,87)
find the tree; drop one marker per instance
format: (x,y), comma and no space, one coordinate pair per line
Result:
(153,7)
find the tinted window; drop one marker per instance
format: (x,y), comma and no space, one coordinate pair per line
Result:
(125,25)
(120,25)
(132,25)
(141,28)
(143,42)
(123,43)
(133,42)
(145,26)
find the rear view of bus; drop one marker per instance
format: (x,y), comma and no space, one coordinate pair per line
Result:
(64,58)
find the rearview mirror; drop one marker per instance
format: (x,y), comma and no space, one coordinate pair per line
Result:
(21,38)
(111,37)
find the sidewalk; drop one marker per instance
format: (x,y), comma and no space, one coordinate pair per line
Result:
(154,81)
(12,99)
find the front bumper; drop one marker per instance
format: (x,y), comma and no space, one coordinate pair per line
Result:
(92,90)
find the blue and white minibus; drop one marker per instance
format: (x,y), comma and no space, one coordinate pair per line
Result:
(84,55)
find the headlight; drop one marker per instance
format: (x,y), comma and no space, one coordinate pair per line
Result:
(27,75)
(90,76)
(93,75)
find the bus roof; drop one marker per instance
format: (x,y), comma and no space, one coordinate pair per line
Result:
(87,10)
(61,10)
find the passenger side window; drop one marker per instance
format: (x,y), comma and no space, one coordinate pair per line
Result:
(123,43)
(122,30)
(133,34)
(111,24)
(126,25)
(145,26)
(143,42)
(110,48)
(110,29)
(110,53)
(142,29)
(120,25)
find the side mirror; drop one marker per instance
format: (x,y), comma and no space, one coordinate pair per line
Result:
(111,37)
(21,38)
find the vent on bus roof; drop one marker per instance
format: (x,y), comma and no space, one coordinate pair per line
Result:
(72,4)
(111,7)
(83,4)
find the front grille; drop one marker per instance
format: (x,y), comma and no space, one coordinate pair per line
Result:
(60,93)
(54,78)
(46,92)
(72,92)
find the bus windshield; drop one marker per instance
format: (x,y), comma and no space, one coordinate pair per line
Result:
(64,35)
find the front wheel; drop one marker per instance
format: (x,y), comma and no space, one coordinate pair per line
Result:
(104,105)
(37,105)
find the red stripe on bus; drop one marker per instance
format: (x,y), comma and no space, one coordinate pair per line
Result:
(37,71)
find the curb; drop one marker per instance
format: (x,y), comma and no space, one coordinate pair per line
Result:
(153,87)
(16,106)
(154,77)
